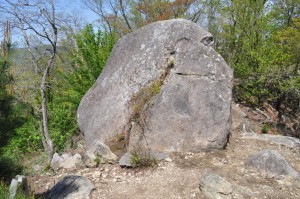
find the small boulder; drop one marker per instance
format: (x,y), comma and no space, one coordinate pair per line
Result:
(272,164)
(101,149)
(216,187)
(65,161)
(55,162)
(125,160)
(99,152)
(18,185)
(71,187)
(71,161)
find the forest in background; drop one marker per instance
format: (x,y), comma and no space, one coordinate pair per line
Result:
(43,81)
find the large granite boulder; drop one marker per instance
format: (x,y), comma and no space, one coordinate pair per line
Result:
(163,86)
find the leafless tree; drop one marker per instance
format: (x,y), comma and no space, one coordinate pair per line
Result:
(37,18)
(114,14)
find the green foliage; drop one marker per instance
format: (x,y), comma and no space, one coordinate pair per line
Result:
(26,138)
(47,167)
(97,161)
(265,129)
(282,90)
(120,137)
(4,192)
(262,45)
(287,40)
(69,87)
(13,115)
(143,97)
(21,133)
(62,120)
(9,168)
(243,36)
(141,157)
(93,52)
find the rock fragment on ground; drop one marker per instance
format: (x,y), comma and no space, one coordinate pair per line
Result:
(99,149)
(125,160)
(65,161)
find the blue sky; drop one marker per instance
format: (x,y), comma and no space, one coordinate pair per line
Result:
(63,6)
(71,6)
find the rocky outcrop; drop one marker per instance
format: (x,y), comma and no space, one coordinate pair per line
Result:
(163,86)
(71,187)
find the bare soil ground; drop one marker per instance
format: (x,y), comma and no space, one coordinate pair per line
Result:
(180,177)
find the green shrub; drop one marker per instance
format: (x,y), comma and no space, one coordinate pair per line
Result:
(281,90)
(265,129)
(143,97)
(27,138)
(97,160)
(86,64)
(141,157)
(9,168)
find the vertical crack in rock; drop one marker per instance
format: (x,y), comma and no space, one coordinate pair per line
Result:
(141,101)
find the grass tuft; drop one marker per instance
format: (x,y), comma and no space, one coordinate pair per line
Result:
(141,157)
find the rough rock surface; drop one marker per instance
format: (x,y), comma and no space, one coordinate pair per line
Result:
(125,160)
(276,139)
(273,164)
(238,116)
(71,187)
(216,187)
(190,111)
(100,149)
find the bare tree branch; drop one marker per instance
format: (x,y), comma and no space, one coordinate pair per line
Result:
(37,18)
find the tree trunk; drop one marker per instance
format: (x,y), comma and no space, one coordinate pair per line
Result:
(48,141)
